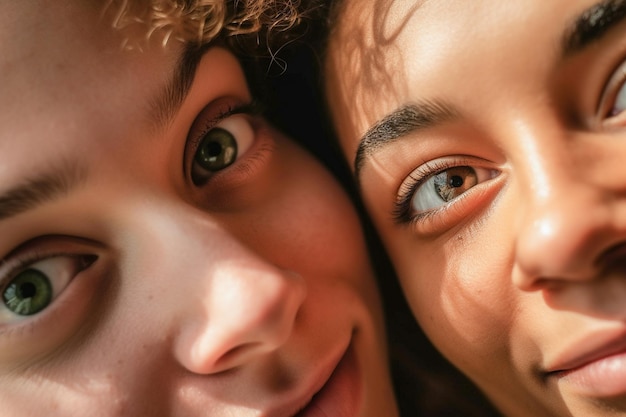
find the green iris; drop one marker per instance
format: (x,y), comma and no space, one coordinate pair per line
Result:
(28,293)
(217,150)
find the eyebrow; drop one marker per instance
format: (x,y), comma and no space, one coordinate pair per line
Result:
(593,24)
(399,123)
(44,187)
(64,178)
(588,27)
(164,108)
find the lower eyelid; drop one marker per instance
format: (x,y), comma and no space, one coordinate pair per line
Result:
(461,211)
(40,334)
(254,160)
(229,187)
(456,211)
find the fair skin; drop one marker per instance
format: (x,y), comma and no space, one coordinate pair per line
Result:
(514,263)
(134,281)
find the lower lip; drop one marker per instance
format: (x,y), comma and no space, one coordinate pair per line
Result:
(341,395)
(604,377)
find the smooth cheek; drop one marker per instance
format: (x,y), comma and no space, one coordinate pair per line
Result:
(85,388)
(304,205)
(457,289)
(85,385)
(101,371)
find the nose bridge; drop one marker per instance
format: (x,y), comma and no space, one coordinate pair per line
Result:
(235,304)
(564,213)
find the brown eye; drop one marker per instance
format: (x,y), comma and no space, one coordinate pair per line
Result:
(444,186)
(453,182)
(220,147)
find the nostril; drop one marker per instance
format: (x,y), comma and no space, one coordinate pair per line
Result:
(248,313)
(236,355)
(613,259)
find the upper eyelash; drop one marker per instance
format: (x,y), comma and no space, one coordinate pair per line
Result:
(620,73)
(21,263)
(15,265)
(252,108)
(402,207)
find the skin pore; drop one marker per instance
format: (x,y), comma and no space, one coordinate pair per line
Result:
(487,140)
(166,252)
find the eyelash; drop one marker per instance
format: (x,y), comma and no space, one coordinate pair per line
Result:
(402,207)
(19,263)
(608,100)
(403,212)
(11,268)
(253,108)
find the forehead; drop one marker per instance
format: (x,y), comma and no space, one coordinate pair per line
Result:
(385,53)
(66,75)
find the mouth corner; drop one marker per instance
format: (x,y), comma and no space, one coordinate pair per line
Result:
(340,394)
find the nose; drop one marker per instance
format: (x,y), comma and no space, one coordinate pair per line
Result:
(239,308)
(570,221)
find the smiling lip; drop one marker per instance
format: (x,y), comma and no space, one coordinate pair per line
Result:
(341,394)
(335,392)
(595,366)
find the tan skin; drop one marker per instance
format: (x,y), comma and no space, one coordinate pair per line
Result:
(176,288)
(491,147)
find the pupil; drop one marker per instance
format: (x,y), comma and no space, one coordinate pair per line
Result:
(455,181)
(213,149)
(28,290)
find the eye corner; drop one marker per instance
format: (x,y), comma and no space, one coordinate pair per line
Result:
(610,111)
(32,281)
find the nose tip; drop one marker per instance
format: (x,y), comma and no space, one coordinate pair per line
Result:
(558,244)
(540,251)
(248,312)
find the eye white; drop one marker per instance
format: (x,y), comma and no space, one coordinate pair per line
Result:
(427,197)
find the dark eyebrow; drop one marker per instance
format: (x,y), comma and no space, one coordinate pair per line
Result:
(169,100)
(592,24)
(399,123)
(42,188)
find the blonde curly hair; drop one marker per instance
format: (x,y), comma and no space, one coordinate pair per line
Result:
(203,21)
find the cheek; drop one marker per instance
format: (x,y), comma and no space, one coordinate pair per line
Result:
(328,231)
(304,219)
(63,390)
(458,294)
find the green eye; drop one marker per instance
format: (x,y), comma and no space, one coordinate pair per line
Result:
(217,150)
(221,147)
(28,293)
